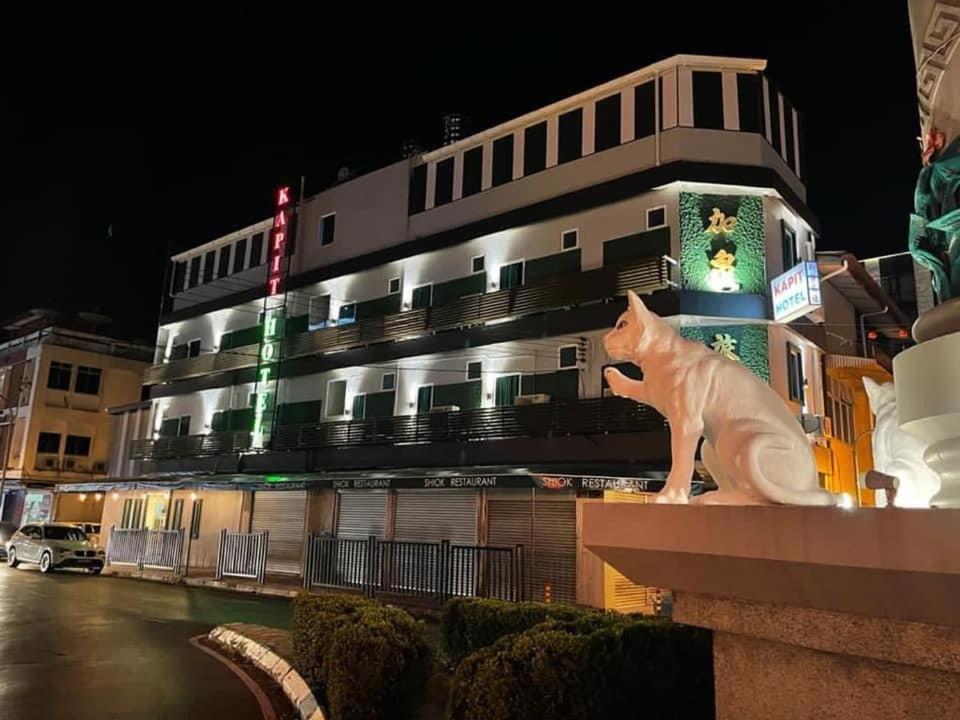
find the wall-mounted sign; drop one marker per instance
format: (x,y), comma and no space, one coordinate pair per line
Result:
(796,292)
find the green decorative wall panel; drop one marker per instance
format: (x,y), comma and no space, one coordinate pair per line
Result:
(747,342)
(721,236)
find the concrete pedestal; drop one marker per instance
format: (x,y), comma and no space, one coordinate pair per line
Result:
(817,612)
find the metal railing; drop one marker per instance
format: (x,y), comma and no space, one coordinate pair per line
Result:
(159,549)
(644,276)
(429,571)
(243,555)
(586,416)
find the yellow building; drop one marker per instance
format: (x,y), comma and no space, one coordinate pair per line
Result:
(55,386)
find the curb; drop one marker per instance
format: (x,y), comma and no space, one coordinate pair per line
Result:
(275,666)
(168,579)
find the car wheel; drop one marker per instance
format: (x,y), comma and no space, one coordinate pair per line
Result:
(12,558)
(46,563)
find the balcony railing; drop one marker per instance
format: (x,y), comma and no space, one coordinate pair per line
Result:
(590,416)
(644,276)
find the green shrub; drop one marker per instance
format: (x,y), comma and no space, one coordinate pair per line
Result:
(595,666)
(469,624)
(363,660)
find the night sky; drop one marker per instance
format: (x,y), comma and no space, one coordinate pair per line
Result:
(149,134)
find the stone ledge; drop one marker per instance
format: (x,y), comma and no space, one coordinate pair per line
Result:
(258,650)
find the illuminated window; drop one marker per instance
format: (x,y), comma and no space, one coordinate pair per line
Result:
(48,443)
(348,314)
(59,376)
(569,240)
(656,217)
(474,370)
(328,224)
(88,380)
(77,445)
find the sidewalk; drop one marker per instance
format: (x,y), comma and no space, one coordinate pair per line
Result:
(277,585)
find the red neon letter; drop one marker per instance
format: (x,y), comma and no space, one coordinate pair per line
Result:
(278,239)
(281,219)
(274,285)
(283,196)
(276,264)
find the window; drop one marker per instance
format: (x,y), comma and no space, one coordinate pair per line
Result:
(256,250)
(422,297)
(841,406)
(502,160)
(472,171)
(393,286)
(567,357)
(535,148)
(223,262)
(58,532)
(125,515)
(511,275)
(707,100)
(424,399)
(319,311)
(179,275)
(388,381)
(240,255)
(59,377)
(208,261)
(33,532)
(418,191)
(193,348)
(176,517)
(328,225)
(183,426)
(644,110)
(795,373)
(347,314)
(336,398)
(788,240)
(77,445)
(656,217)
(506,390)
(474,370)
(570,136)
(748,102)
(48,442)
(443,183)
(606,132)
(477,264)
(88,380)
(774,116)
(195,519)
(195,271)
(569,240)
(359,410)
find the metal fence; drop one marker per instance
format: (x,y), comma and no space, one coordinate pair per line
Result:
(429,571)
(243,555)
(160,549)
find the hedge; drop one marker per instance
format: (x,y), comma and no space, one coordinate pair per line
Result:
(469,624)
(363,660)
(590,665)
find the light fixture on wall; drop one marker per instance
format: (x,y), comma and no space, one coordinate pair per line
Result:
(98,497)
(83,497)
(193,497)
(115,496)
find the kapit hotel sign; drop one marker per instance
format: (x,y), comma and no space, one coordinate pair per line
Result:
(796,292)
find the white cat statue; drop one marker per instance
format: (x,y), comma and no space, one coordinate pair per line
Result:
(899,453)
(754,448)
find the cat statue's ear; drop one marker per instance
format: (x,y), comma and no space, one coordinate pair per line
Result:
(874,393)
(639,311)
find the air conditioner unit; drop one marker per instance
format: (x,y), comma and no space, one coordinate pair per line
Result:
(445,408)
(535,399)
(69,464)
(812,424)
(49,462)
(100,468)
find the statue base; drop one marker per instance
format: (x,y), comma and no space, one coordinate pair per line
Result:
(927,382)
(816,612)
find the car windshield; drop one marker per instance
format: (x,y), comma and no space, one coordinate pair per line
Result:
(55,532)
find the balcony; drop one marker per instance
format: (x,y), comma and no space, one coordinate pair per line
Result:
(643,276)
(589,416)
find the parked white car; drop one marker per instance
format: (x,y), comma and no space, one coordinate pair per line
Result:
(54,545)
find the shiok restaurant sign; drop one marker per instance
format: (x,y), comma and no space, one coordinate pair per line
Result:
(796,292)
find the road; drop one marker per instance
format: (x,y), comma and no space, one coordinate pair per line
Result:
(78,646)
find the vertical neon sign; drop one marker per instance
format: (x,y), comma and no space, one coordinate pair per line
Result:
(274,316)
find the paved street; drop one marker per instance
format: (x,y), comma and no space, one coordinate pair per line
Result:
(76,646)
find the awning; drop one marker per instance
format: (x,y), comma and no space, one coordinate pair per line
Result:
(858,287)
(540,477)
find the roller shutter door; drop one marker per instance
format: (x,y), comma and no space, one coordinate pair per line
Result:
(284,515)
(362,513)
(625,595)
